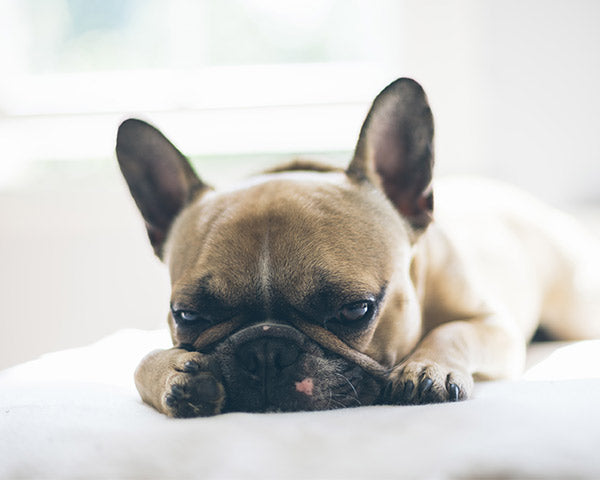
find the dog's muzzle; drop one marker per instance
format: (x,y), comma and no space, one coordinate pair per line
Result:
(274,366)
(261,365)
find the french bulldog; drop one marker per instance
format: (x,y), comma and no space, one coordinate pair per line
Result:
(310,287)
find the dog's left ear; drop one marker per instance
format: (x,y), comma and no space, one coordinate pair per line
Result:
(395,150)
(161,180)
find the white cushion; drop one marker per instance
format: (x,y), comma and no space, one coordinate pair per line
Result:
(76,414)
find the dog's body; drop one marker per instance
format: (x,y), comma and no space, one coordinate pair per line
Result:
(310,288)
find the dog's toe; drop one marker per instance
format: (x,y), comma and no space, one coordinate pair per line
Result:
(193,395)
(171,400)
(418,383)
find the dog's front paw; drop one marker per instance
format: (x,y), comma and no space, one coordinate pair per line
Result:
(191,390)
(419,382)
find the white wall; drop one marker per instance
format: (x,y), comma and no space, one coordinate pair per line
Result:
(514,87)
(75,266)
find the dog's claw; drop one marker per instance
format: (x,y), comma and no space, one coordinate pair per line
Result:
(408,390)
(191,367)
(387,392)
(425,386)
(177,391)
(453,392)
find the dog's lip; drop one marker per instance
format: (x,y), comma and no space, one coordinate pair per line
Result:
(269,329)
(336,345)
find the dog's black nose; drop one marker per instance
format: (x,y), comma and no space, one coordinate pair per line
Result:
(266,358)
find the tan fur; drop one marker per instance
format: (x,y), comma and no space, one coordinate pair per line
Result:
(478,307)
(459,298)
(301,209)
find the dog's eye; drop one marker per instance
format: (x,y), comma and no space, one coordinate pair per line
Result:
(355,312)
(186,316)
(189,316)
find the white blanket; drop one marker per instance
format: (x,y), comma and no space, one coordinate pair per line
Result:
(76,414)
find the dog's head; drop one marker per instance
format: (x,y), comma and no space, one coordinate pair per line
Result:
(297,284)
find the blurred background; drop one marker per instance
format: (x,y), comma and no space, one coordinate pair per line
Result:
(239,85)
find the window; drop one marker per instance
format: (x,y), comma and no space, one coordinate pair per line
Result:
(221,78)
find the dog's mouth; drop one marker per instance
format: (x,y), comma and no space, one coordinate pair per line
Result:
(276,367)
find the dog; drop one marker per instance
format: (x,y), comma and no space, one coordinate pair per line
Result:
(310,287)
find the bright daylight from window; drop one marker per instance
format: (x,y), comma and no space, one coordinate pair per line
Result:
(80,66)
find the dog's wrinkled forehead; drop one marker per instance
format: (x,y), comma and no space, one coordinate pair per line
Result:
(307,230)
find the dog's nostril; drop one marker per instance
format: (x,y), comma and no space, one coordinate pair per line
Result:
(248,359)
(267,355)
(285,357)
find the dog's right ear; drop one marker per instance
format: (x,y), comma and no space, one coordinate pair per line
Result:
(395,150)
(161,180)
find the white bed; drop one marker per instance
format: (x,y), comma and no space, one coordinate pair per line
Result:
(76,414)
